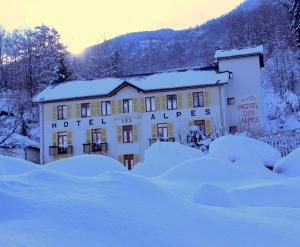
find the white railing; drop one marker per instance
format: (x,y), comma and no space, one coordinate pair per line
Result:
(285,141)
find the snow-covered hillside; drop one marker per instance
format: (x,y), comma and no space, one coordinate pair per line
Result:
(218,199)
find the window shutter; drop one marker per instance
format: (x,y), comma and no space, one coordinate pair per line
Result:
(190,100)
(69,138)
(88,136)
(120,159)
(97,109)
(142,103)
(135,133)
(69,111)
(120,134)
(92,108)
(170,130)
(179,97)
(163,102)
(136,159)
(154,130)
(113,107)
(157,103)
(103,135)
(54,113)
(120,110)
(54,139)
(206,99)
(208,127)
(78,110)
(135,105)
(191,123)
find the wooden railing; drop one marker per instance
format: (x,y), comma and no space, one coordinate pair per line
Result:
(285,141)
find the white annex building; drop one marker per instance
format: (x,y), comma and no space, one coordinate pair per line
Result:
(121,117)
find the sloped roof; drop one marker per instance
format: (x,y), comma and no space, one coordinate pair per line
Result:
(107,86)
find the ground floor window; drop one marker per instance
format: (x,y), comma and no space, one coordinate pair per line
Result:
(201,125)
(128,161)
(96,136)
(162,130)
(62,139)
(232,130)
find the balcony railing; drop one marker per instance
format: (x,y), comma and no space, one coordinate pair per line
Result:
(95,147)
(161,139)
(56,150)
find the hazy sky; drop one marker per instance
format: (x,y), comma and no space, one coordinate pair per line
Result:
(85,22)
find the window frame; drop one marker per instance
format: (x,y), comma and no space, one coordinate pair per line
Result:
(129,106)
(231,101)
(163,127)
(87,110)
(151,101)
(172,98)
(198,99)
(127,133)
(64,136)
(98,133)
(104,105)
(63,110)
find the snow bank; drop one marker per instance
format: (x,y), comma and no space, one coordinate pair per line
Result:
(85,165)
(12,165)
(184,178)
(289,165)
(161,156)
(212,195)
(250,154)
(122,209)
(274,194)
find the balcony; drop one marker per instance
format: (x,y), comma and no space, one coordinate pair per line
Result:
(95,148)
(56,150)
(161,139)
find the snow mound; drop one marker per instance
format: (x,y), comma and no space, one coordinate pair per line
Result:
(184,178)
(162,156)
(252,155)
(12,166)
(85,165)
(275,194)
(212,195)
(289,165)
(204,170)
(123,209)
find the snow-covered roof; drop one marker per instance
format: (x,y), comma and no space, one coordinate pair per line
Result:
(105,86)
(239,52)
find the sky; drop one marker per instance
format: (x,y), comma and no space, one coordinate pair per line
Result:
(82,23)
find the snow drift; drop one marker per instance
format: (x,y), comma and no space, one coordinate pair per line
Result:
(161,156)
(289,165)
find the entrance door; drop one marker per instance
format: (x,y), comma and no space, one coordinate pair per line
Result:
(128,161)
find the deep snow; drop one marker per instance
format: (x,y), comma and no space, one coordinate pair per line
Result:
(194,200)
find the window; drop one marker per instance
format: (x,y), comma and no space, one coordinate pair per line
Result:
(61,112)
(128,161)
(96,136)
(232,129)
(105,108)
(162,130)
(127,105)
(230,101)
(198,100)
(172,102)
(200,124)
(127,134)
(85,110)
(62,139)
(150,104)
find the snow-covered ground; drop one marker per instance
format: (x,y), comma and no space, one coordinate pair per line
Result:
(176,197)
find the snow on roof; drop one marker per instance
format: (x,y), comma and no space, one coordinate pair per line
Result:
(164,80)
(239,52)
